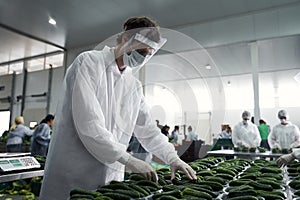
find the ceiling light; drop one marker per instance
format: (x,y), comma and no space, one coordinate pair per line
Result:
(52,21)
(208,66)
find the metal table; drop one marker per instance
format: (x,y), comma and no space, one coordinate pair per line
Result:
(21,175)
(226,152)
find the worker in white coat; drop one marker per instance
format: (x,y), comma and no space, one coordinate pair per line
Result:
(245,133)
(284,135)
(102,105)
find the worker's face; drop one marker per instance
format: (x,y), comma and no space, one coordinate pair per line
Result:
(51,123)
(245,120)
(135,53)
(283,120)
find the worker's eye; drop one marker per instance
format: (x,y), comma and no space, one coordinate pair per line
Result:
(144,52)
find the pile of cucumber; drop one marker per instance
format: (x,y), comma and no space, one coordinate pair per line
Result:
(293,170)
(235,179)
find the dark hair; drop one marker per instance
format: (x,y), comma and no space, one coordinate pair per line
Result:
(138,23)
(262,121)
(48,118)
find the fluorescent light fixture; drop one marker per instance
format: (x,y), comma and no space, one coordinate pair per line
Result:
(208,66)
(52,21)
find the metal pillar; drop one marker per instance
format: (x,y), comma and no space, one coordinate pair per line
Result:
(12,98)
(25,72)
(50,77)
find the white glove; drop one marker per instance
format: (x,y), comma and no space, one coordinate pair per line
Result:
(138,166)
(285,159)
(180,165)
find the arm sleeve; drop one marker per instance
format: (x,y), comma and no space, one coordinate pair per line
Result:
(296,142)
(272,139)
(257,139)
(151,138)
(88,117)
(235,136)
(28,131)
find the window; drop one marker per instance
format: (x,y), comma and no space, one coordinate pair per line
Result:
(16,67)
(55,60)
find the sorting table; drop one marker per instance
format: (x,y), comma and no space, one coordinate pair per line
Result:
(227,152)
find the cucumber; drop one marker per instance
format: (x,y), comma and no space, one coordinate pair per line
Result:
(136,177)
(139,189)
(243,198)
(236,193)
(147,183)
(272,183)
(240,182)
(86,192)
(104,190)
(224,171)
(116,186)
(81,197)
(175,193)
(131,193)
(268,196)
(205,173)
(215,179)
(273,170)
(224,176)
(117,196)
(167,198)
(192,192)
(259,186)
(215,186)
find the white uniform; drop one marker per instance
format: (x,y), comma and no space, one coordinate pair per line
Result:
(284,136)
(246,135)
(100,110)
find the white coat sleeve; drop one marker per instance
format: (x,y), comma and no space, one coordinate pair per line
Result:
(88,117)
(296,142)
(257,138)
(272,139)
(235,136)
(296,153)
(151,138)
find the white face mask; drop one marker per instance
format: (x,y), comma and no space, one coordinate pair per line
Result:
(282,121)
(245,121)
(135,59)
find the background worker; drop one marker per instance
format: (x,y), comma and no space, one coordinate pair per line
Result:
(284,135)
(41,136)
(102,105)
(16,134)
(245,133)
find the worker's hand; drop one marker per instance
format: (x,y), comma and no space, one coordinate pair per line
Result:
(180,165)
(285,159)
(138,166)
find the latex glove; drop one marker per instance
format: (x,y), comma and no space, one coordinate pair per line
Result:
(285,159)
(138,166)
(180,165)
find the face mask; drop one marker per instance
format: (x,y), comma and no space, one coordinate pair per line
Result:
(245,121)
(282,121)
(135,59)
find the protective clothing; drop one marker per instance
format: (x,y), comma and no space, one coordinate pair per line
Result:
(40,140)
(100,109)
(225,135)
(246,135)
(179,164)
(192,136)
(285,159)
(284,136)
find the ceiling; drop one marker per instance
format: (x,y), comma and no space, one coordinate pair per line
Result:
(85,22)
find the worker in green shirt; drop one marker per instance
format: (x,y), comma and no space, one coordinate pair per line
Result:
(264,131)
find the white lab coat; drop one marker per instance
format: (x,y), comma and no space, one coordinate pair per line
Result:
(99,111)
(246,135)
(284,136)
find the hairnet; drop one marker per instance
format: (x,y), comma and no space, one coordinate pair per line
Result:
(283,113)
(246,114)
